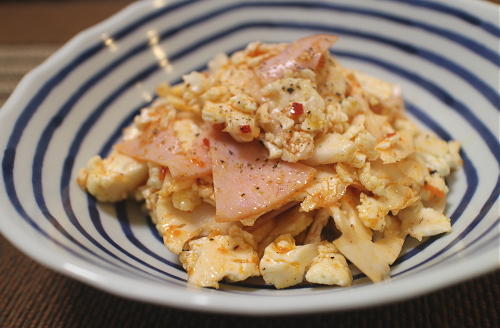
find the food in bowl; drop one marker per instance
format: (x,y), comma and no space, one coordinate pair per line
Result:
(279,162)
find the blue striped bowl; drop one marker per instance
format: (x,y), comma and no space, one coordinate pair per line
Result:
(443,54)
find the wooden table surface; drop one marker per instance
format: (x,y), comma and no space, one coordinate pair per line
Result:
(33,296)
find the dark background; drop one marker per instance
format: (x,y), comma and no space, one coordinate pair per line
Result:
(33,296)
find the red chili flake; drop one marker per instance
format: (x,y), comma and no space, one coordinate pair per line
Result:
(296,110)
(220,126)
(245,128)
(163,172)
(206,142)
(388,135)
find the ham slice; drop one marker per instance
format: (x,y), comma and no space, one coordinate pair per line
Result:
(300,54)
(159,144)
(247,184)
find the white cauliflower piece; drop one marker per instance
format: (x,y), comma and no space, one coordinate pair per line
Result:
(419,221)
(438,155)
(395,146)
(324,190)
(243,103)
(291,222)
(293,114)
(211,259)
(113,178)
(313,234)
(332,148)
(196,82)
(186,199)
(378,126)
(241,126)
(284,264)
(354,146)
(374,87)
(218,62)
(329,267)
(176,225)
(356,244)
(394,186)
(434,192)
(372,212)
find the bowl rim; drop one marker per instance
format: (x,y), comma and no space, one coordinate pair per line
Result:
(190,298)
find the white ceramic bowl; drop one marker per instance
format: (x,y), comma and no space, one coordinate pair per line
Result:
(443,54)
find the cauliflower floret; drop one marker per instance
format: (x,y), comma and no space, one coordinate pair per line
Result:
(395,146)
(186,199)
(241,126)
(113,178)
(325,189)
(218,62)
(174,223)
(438,155)
(243,103)
(332,148)
(378,126)
(329,267)
(330,80)
(374,87)
(293,114)
(284,263)
(184,193)
(339,121)
(372,212)
(291,222)
(196,82)
(391,183)
(419,221)
(206,190)
(313,234)
(356,243)
(211,259)
(354,146)
(434,192)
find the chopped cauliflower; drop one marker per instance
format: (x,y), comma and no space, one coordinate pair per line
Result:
(113,178)
(438,155)
(324,191)
(291,222)
(277,161)
(329,267)
(372,212)
(313,234)
(293,115)
(284,264)
(356,243)
(419,222)
(211,259)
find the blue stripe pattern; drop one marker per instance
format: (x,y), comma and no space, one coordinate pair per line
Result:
(8,161)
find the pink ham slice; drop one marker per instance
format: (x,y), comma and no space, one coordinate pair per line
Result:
(162,147)
(247,184)
(300,54)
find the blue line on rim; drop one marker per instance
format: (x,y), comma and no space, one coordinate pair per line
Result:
(470,174)
(25,116)
(439,93)
(91,120)
(484,210)
(68,163)
(470,171)
(446,9)
(173,58)
(28,111)
(122,214)
(495,237)
(464,41)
